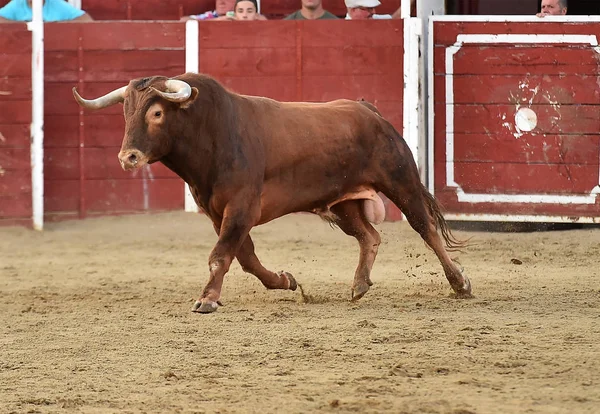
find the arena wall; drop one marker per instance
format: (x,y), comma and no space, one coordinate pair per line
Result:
(15,119)
(308,61)
(515,118)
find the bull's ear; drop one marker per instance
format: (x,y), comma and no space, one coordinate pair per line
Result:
(187,103)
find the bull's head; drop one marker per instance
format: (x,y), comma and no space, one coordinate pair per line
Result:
(150,116)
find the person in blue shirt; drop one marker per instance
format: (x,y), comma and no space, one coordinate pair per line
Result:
(52,11)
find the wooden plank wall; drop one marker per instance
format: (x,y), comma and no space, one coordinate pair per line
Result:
(144,9)
(309,61)
(82,175)
(559,82)
(15,118)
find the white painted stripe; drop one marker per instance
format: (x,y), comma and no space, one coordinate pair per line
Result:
(525,198)
(513,19)
(36,26)
(406,104)
(412,31)
(405,10)
(147,176)
(450,52)
(524,38)
(191,46)
(431,109)
(192,64)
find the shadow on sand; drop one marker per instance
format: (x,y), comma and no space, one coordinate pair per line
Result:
(517,227)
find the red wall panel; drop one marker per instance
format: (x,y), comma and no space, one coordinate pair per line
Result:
(288,61)
(309,60)
(82,174)
(111,196)
(15,117)
(144,9)
(481,144)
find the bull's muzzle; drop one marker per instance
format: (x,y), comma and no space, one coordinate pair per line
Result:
(132,159)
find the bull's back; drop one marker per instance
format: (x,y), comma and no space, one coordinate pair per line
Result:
(328,134)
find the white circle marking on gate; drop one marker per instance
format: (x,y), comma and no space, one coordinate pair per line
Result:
(526,119)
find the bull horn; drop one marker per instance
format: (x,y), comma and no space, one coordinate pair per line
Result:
(111,98)
(181,91)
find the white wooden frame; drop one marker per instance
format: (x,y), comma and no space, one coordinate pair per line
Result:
(192,64)
(36,26)
(490,39)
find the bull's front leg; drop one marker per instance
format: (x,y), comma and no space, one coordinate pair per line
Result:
(238,219)
(251,264)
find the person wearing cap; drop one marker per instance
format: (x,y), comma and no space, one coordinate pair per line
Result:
(365,9)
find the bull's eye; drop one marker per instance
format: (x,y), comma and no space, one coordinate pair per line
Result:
(157,114)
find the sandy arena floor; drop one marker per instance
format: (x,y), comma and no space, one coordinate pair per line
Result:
(96,318)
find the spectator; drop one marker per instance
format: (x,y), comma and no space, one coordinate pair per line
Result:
(247,10)
(219,13)
(311,10)
(365,9)
(52,11)
(226,10)
(553,8)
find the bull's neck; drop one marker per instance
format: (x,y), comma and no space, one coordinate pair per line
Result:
(206,145)
(189,159)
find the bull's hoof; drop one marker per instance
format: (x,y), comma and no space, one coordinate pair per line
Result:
(292,282)
(464,292)
(359,290)
(205,307)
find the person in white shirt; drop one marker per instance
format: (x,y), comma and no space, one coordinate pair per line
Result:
(365,9)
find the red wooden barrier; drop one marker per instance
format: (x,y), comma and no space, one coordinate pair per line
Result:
(309,61)
(15,118)
(487,161)
(144,9)
(313,61)
(82,175)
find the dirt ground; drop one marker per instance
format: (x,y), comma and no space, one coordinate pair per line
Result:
(96,318)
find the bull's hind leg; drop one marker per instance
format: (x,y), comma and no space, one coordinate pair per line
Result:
(422,213)
(250,263)
(352,221)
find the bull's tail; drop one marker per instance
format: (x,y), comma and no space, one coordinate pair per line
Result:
(452,243)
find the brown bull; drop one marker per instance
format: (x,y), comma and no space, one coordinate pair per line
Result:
(249,160)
